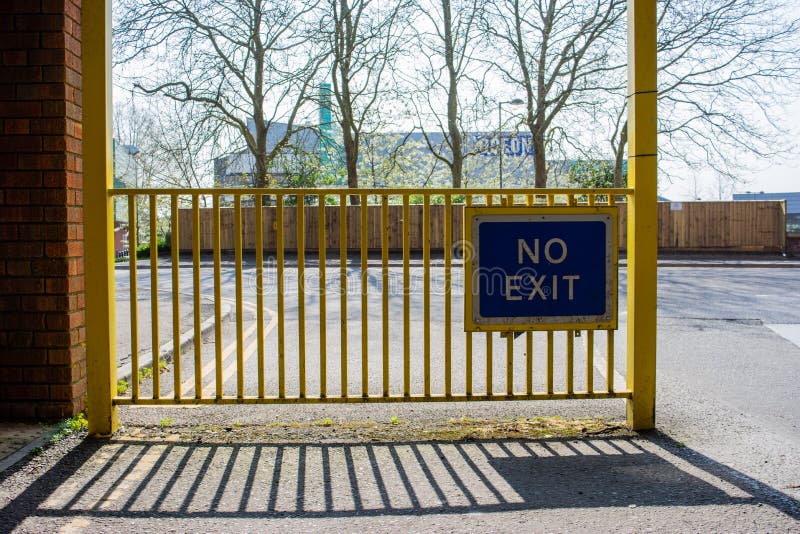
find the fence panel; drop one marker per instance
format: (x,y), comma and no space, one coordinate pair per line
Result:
(316,319)
(684,226)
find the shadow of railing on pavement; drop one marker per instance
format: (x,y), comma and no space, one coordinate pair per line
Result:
(155,479)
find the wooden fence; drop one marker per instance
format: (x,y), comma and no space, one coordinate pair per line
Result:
(683,226)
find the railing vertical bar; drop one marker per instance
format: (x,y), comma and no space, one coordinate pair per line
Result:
(530,200)
(549,362)
(154,296)
(343,287)
(468,366)
(426,291)
(323,348)
(468,335)
(509,200)
(198,315)
(610,360)
(364,294)
(216,247)
(590,200)
(385,288)
(510,363)
(134,296)
(489,200)
(590,361)
(570,361)
(176,306)
(448,243)
(406,297)
(237,246)
(258,206)
(301,292)
(489,342)
(551,199)
(529,362)
(281,324)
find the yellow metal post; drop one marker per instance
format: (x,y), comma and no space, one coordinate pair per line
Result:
(343,290)
(570,362)
(642,213)
(134,295)
(281,326)
(590,361)
(101,343)
(323,342)
(549,378)
(237,251)
(529,361)
(176,307)
(426,292)
(198,338)
(448,243)
(301,291)
(385,288)
(259,210)
(468,339)
(364,294)
(489,363)
(406,297)
(154,333)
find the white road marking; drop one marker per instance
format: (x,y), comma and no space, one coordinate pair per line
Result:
(790,332)
(209,387)
(600,361)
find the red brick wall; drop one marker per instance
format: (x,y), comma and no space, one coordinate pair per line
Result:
(42,332)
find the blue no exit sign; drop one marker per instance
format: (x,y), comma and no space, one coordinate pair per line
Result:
(547,268)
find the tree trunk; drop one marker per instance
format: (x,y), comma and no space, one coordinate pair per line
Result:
(539,161)
(619,157)
(262,171)
(351,161)
(455,133)
(452,98)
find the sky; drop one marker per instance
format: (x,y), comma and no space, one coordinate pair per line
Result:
(775,175)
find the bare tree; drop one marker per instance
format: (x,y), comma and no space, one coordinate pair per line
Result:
(185,146)
(448,36)
(364,38)
(235,59)
(725,68)
(556,52)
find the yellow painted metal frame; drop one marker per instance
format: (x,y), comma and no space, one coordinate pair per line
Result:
(505,392)
(99,218)
(642,213)
(642,218)
(373,191)
(471,212)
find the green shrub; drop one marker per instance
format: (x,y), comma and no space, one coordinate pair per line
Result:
(143,250)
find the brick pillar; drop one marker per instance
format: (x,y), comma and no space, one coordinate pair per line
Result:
(42,318)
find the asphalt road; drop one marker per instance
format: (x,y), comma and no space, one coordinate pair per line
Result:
(739,361)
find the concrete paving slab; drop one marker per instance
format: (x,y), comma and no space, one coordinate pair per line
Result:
(18,439)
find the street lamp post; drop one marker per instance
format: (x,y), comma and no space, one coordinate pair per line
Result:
(512,102)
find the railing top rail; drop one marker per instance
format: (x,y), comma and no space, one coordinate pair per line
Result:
(366,191)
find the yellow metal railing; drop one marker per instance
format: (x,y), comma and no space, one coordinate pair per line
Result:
(100,280)
(251,364)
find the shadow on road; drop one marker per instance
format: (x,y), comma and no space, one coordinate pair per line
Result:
(156,479)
